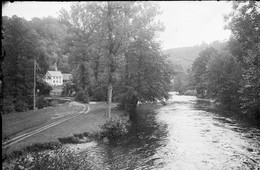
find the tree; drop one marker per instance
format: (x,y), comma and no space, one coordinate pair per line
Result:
(43,87)
(223,75)
(3,54)
(20,44)
(147,74)
(117,40)
(50,34)
(82,81)
(199,67)
(243,21)
(82,77)
(183,79)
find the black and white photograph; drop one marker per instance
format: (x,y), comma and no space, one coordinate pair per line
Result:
(130,85)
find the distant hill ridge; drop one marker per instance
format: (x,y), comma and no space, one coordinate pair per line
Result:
(186,55)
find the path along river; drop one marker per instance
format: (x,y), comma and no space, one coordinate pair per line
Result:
(182,135)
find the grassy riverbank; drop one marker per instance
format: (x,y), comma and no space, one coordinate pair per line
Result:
(89,123)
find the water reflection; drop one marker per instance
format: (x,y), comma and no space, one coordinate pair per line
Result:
(181,136)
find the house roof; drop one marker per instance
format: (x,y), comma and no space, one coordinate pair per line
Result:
(54,73)
(47,76)
(66,76)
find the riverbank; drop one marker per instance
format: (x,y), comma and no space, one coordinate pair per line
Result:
(89,123)
(236,115)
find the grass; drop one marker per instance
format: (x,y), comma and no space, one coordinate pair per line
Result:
(14,124)
(85,125)
(89,123)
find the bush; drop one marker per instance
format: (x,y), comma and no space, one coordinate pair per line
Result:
(115,128)
(41,102)
(190,93)
(37,147)
(99,92)
(62,158)
(54,103)
(70,139)
(68,89)
(20,106)
(8,105)
(43,87)
(82,96)
(43,146)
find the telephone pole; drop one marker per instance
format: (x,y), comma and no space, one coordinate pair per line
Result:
(34,84)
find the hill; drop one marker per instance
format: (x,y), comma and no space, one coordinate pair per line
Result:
(185,56)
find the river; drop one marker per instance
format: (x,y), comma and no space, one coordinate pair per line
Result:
(181,135)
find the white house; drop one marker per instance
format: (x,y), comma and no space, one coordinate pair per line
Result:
(54,78)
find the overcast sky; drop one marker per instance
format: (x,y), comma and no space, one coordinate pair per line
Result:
(186,23)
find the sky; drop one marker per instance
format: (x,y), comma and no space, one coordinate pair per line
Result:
(187,23)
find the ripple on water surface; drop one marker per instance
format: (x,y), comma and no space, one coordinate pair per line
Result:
(181,136)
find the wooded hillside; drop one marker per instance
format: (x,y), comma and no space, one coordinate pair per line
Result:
(185,56)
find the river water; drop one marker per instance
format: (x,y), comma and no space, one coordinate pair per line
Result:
(181,135)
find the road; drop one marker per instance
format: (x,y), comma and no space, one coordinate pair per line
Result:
(25,135)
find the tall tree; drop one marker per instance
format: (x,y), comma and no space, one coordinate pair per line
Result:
(223,75)
(199,67)
(243,21)
(99,32)
(3,54)
(20,43)
(147,75)
(108,35)
(50,34)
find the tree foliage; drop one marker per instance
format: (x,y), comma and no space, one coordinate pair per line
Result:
(199,67)
(25,41)
(232,75)
(243,21)
(20,44)
(117,40)
(51,34)
(223,77)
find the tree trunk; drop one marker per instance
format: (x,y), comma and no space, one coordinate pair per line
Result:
(109,98)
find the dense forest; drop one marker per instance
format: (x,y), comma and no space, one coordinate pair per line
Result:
(109,47)
(111,50)
(231,74)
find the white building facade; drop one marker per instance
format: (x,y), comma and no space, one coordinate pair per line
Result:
(55,79)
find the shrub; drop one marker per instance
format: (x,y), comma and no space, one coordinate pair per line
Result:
(115,128)
(20,106)
(68,89)
(62,158)
(54,103)
(99,92)
(43,87)
(70,139)
(190,93)
(43,146)
(82,96)
(41,102)
(8,105)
